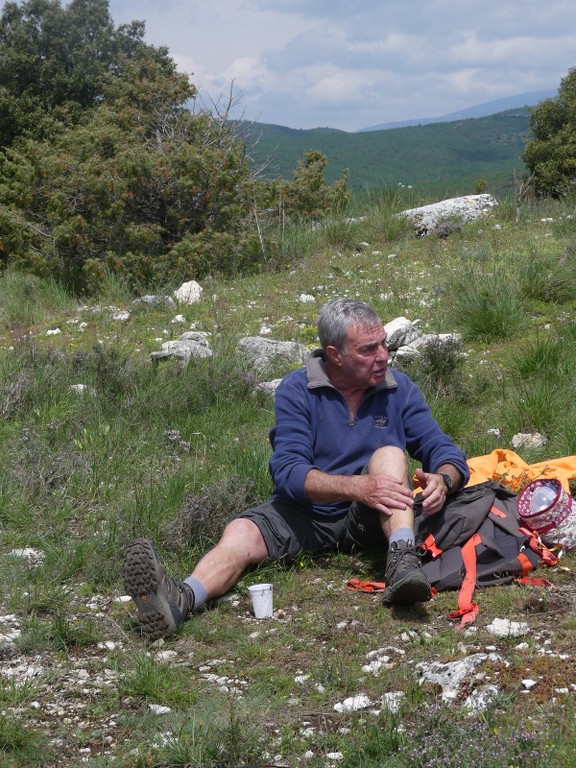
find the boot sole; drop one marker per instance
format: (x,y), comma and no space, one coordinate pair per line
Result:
(413,588)
(141,583)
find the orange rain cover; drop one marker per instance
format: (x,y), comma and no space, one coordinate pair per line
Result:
(508,468)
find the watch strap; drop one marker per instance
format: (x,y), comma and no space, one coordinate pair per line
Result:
(447,481)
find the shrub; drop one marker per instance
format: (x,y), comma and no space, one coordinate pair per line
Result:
(203,516)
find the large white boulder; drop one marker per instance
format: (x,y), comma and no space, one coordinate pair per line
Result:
(265,356)
(456,210)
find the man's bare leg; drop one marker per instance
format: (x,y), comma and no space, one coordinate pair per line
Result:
(241,545)
(391,461)
(405,580)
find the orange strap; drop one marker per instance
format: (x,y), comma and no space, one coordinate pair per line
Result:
(533,581)
(525,564)
(466,615)
(467,610)
(535,543)
(366,586)
(429,545)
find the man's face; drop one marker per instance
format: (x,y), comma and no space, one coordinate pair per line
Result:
(364,359)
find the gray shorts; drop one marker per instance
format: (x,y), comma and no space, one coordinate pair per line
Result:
(288,530)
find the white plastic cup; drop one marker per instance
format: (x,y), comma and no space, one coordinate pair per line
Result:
(262,600)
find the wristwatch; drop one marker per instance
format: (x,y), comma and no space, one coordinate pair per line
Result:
(447,482)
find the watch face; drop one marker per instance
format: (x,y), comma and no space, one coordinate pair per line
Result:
(447,481)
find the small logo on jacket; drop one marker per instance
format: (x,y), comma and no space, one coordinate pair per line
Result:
(380,421)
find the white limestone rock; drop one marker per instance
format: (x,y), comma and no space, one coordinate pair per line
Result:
(401,332)
(190,344)
(188,293)
(264,356)
(457,210)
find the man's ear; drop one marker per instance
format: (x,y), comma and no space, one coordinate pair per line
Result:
(333,354)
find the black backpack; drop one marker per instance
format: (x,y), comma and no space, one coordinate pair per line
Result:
(478,540)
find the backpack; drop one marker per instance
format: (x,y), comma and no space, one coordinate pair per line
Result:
(478,540)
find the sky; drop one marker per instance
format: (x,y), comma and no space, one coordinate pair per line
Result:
(352,64)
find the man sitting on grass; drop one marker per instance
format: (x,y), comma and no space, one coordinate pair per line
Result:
(344,424)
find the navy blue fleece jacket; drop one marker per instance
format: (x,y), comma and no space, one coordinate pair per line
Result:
(314,430)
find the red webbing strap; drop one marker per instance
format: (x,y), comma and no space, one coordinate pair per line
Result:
(525,564)
(429,545)
(467,610)
(365,586)
(498,512)
(534,581)
(535,543)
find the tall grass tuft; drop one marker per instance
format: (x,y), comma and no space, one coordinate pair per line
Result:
(27,299)
(437,367)
(543,355)
(485,308)
(547,279)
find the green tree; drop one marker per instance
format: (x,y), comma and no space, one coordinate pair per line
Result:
(108,164)
(306,197)
(550,152)
(143,186)
(55,62)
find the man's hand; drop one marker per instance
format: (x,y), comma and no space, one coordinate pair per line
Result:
(433,491)
(383,493)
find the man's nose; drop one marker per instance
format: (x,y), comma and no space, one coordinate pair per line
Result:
(382,352)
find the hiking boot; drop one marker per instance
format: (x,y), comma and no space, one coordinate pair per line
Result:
(405,579)
(162,603)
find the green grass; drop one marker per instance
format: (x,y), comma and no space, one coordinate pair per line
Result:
(172,453)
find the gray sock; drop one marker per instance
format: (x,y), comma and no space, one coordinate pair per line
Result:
(402,534)
(199,592)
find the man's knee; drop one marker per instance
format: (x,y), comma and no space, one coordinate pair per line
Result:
(389,460)
(243,536)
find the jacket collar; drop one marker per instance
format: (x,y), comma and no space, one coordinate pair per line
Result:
(318,377)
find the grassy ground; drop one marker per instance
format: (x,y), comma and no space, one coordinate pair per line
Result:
(172,453)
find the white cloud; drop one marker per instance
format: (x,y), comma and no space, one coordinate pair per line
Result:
(354,63)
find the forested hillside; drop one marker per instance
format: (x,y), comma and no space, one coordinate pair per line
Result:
(448,157)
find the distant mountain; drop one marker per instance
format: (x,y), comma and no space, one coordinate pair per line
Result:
(481,110)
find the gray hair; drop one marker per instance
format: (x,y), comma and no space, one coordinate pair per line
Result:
(336,317)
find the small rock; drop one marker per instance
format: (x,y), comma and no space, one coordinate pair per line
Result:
(158,709)
(526,440)
(507,628)
(391,701)
(109,645)
(400,332)
(150,299)
(82,389)
(166,655)
(34,556)
(354,703)
(481,698)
